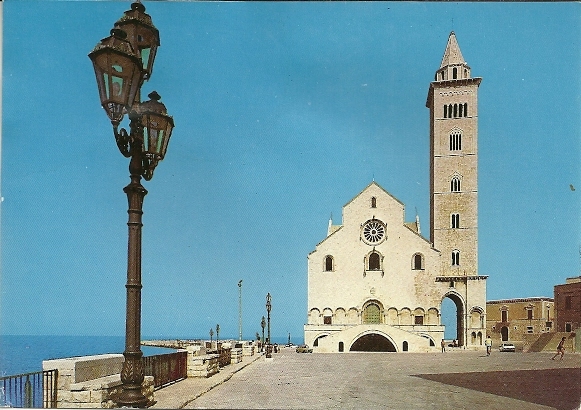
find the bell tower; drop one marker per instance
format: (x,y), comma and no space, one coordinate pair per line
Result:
(453,103)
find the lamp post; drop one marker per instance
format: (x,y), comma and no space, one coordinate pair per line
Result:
(263,325)
(240,311)
(122,62)
(268,307)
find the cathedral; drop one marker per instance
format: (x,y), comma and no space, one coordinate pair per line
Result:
(375,283)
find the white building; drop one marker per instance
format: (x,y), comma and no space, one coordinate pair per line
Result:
(375,283)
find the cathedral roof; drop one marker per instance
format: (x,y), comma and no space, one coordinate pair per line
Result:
(452,54)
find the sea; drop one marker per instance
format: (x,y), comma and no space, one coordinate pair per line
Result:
(24,354)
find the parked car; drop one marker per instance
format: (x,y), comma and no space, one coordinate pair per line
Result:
(507,347)
(304,349)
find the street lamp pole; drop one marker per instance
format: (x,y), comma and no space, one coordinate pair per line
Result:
(263,325)
(122,62)
(268,307)
(240,310)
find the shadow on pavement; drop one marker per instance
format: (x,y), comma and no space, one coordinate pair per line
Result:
(559,388)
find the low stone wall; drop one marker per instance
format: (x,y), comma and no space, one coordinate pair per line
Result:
(236,356)
(91,381)
(202,365)
(248,350)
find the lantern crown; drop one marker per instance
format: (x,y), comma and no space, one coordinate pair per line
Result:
(142,35)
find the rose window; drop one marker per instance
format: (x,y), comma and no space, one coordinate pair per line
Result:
(373,231)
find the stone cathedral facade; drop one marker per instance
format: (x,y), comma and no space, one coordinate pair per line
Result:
(375,283)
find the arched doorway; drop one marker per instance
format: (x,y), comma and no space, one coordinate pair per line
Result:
(316,342)
(372,313)
(504,333)
(453,314)
(372,342)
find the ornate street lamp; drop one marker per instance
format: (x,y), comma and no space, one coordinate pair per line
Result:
(263,325)
(122,62)
(268,307)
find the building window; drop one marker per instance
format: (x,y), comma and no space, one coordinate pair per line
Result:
(529,314)
(568,302)
(445,111)
(405,346)
(326,320)
(504,316)
(373,202)
(455,257)
(455,141)
(567,327)
(465,109)
(418,261)
(455,184)
(455,221)
(328,263)
(529,329)
(341,347)
(374,261)
(419,320)
(454,73)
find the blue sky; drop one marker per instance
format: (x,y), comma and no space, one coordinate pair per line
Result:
(283,113)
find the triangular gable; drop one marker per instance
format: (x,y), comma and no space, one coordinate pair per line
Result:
(380,187)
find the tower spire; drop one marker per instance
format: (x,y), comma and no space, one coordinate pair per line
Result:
(453,66)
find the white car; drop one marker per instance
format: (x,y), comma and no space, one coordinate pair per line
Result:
(507,347)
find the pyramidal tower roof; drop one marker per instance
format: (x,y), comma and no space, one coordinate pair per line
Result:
(452,55)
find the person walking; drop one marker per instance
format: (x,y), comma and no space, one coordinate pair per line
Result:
(560,349)
(443,344)
(488,344)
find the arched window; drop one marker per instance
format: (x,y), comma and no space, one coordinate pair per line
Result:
(455,184)
(455,110)
(449,110)
(460,110)
(445,111)
(455,257)
(465,109)
(341,347)
(455,141)
(418,262)
(328,263)
(373,202)
(454,73)
(455,219)
(442,75)
(372,314)
(374,261)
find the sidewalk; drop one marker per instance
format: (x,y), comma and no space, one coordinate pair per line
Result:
(178,395)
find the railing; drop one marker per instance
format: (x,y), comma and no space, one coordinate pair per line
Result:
(166,368)
(29,390)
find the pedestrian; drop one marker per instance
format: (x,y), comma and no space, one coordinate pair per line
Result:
(560,349)
(488,344)
(443,344)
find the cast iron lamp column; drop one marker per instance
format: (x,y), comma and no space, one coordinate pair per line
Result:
(268,307)
(122,62)
(263,325)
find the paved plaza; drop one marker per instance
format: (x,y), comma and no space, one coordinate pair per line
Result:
(452,380)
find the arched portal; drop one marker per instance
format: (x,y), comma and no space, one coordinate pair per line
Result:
(372,343)
(504,334)
(459,316)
